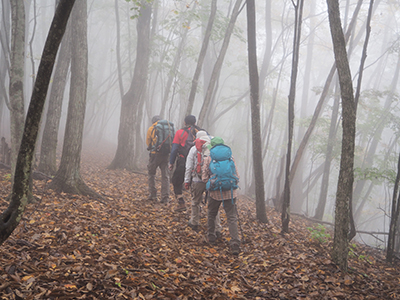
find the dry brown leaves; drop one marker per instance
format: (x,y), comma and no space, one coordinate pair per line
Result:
(74,247)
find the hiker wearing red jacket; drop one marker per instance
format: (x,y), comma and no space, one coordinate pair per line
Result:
(183,141)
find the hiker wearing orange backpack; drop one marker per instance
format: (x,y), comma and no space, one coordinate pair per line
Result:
(183,141)
(193,181)
(159,139)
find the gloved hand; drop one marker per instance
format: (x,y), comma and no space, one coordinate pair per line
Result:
(187,185)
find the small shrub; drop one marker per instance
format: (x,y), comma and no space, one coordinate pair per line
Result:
(318,234)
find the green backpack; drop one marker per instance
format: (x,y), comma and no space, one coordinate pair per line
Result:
(164,132)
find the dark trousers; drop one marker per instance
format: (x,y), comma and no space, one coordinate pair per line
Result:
(179,176)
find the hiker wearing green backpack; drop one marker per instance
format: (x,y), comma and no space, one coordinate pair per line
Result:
(222,178)
(183,141)
(159,140)
(193,180)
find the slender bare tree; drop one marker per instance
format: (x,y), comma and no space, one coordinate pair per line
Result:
(68,177)
(346,172)
(255,112)
(218,65)
(48,149)
(16,90)
(292,95)
(11,217)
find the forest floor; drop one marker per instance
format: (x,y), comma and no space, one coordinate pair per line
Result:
(123,247)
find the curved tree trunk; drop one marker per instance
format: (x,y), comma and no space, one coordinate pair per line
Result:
(202,55)
(48,150)
(68,178)
(346,172)
(218,65)
(353,232)
(321,100)
(124,156)
(11,217)
(319,211)
(175,65)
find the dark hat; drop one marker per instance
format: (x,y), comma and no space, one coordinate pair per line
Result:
(190,120)
(155,119)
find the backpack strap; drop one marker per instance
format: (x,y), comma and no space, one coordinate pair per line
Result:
(151,147)
(162,143)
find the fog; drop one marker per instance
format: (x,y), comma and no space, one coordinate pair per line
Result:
(229,115)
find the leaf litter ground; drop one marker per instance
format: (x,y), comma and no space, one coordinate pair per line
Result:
(123,247)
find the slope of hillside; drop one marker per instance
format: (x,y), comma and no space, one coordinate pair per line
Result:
(122,247)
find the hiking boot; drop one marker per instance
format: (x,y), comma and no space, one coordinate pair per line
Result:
(194,227)
(151,198)
(164,201)
(235,249)
(211,240)
(181,205)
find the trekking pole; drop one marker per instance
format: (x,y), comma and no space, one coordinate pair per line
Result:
(240,225)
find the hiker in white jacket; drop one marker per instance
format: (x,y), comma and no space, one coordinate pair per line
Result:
(193,179)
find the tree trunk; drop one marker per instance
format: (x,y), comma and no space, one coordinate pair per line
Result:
(353,232)
(4,54)
(202,55)
(321,100)
(130,104)
(319,211)
(118,50)
(292,95)
(11,217)
(68,178)
(48,150)
(16,90)
(346,172)
(218,65)
(297,185)
(394,217)
(255,112)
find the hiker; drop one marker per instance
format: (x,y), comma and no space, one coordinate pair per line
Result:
(222,177)
(183,141)
(193,181)
(159,139)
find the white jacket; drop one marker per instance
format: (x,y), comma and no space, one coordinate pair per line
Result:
(191,161)
(191,165)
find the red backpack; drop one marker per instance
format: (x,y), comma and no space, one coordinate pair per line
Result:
(199,146)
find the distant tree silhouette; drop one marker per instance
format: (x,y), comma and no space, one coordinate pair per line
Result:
(124,156)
